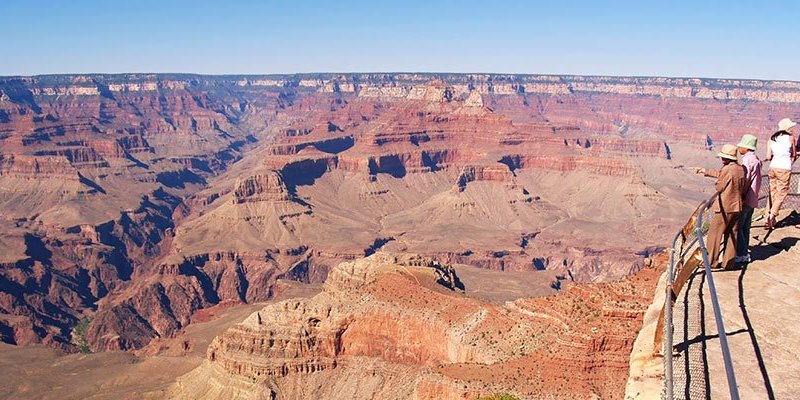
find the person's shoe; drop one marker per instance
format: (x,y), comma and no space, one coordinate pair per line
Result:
(742,259)
(729,266)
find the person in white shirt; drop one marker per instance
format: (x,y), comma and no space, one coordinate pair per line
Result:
(781,153)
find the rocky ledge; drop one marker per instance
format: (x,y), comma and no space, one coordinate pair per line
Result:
(403,323)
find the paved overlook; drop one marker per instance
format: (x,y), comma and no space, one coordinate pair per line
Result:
(759,303)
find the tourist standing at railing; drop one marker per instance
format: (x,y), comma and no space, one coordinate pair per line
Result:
(781,153)
(752,175)
(727,206)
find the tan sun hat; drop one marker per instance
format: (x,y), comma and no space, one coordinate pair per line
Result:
(748,142)
(728,151)
(786,124)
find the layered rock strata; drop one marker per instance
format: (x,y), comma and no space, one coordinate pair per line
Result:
(401,321)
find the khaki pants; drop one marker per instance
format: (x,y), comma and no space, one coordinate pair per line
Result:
(778,188)
(723,228)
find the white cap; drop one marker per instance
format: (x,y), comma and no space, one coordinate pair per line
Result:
(786,124)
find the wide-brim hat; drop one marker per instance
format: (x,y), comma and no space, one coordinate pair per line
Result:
(748,142)
(786,124)
(728,152)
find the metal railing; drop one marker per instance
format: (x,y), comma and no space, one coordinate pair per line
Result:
(687,245)
(688,253)
(723,334)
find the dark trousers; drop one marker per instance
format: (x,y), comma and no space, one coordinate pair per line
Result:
(743,231)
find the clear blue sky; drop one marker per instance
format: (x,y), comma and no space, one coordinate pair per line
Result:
(739,39)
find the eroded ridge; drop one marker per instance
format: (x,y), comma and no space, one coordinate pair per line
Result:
(402,324)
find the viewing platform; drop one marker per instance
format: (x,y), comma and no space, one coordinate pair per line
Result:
(759,304)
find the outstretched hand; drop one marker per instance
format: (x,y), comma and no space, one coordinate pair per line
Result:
(698,170)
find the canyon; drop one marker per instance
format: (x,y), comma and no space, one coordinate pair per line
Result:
(131,204)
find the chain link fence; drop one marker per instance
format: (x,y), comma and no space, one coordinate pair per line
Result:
(684,353)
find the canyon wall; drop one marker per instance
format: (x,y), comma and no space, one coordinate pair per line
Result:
(128,202)
(403,322)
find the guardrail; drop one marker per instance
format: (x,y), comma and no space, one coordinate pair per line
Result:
(687,254)
(689,242)
(723,334)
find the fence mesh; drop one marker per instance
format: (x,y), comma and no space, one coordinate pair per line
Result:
(792,200)
(688,363)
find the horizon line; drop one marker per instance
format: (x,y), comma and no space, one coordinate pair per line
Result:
(67,74)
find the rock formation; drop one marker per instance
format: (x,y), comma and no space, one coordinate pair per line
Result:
(401,324)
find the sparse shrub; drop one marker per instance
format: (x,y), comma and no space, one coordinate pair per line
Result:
(499,396)
(79,335)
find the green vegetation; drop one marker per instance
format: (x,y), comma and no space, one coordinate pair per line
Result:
(707,223)
(499,396)
(79,335)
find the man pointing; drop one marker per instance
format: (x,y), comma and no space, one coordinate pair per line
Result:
(726,205)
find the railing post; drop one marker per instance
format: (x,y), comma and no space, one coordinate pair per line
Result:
(723,339)
(668,329)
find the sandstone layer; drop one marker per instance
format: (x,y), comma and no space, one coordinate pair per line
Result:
(399,326)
